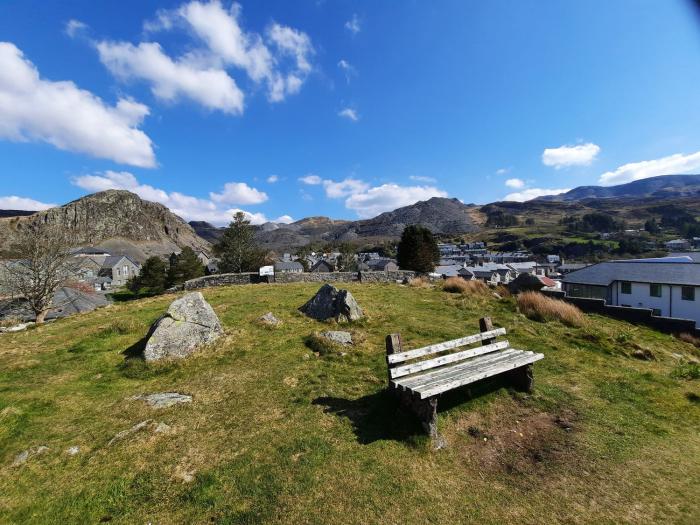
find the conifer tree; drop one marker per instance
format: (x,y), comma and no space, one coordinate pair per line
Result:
(418,250)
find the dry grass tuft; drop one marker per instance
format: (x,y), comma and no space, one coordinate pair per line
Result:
(539,307)
(690,338)
(419,282)
(459,285)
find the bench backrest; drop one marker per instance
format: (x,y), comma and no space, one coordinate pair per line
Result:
(402,363)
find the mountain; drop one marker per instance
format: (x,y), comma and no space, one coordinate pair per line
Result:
(15,213)
(115,220)
(663,186)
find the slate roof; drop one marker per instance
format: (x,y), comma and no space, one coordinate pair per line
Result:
(662,272)
(113,260)
(288,265)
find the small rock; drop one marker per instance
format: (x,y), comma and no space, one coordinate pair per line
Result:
(643,354)
(343,338)
(163,428)
(163,399)
(72,451)
(269,319)
(129,431)
(23,457)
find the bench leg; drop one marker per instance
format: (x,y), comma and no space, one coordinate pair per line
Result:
(522,379)
(424,409)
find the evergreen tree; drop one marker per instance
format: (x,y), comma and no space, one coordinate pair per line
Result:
(185,266)
(151,279)
(418,250)
(237,248)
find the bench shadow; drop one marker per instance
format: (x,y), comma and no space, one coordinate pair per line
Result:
(378,416)
(135,351)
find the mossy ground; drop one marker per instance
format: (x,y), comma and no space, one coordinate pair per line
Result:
(277,434)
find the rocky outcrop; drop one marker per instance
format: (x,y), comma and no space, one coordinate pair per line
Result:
(341,338)
(189,323)
(331,303)
(111,215)
(164,399)
(269,319)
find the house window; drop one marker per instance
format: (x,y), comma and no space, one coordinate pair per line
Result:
(126,270)
(655,290)
(688,293)
(626,287)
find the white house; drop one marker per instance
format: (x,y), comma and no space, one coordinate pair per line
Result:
(670,286)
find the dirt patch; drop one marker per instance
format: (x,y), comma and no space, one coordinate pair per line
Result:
(516,439)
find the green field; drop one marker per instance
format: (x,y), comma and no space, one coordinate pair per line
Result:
(277,434)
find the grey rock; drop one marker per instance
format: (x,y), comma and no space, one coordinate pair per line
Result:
(331,303)
(269,319)
(343,338)
(25,455)
(190,322)
(72,451)
(164,399)
(143,425)
(162,428)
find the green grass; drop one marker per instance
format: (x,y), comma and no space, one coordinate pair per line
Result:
(277,434)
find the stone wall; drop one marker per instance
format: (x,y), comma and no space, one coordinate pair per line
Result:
(630,314)
(226,279)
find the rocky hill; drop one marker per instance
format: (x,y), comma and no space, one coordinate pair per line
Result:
(440,215)
(116,220)
(15,213)
(663,186)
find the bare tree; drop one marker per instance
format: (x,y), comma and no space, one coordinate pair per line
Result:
(43,265)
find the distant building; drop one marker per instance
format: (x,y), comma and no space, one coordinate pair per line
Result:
(382,265)
(670,286)
(322,266)
(119,268)
(288,267)
(89,251)
(677,245)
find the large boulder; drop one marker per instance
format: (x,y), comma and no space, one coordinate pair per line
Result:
(189,323)
(331,303)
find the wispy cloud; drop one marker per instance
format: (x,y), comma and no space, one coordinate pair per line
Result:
(13,202)
(311,179)
(349,114)
(515,183)
(422,178)
(353,25)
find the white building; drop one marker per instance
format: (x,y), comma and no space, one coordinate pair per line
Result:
(669,286)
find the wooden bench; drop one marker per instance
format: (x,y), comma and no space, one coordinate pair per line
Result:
(419,376)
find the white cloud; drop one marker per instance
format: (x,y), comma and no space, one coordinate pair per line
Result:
(238,193)
(171,80)
(515,183)
(349,113)
(12,202)
(564,156)
(347,68)
(677,164)
(532,193)
(422,178)
(389,197)
(73,27)
(353,25)
(67,117)
(338,190)
(272,179)
(502,171)
(311,179)
(188,207)
(281,58)
(284,219)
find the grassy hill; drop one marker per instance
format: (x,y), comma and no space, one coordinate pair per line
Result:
(276,434)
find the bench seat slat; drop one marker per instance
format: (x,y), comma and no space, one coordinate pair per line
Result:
(404,370)
(449,374)
(441,347)
(465,367)
(510,364)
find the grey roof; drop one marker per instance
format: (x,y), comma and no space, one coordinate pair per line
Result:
(603,274)
(288,265)
(113,260)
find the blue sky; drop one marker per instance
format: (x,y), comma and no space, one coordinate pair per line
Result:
(341,108)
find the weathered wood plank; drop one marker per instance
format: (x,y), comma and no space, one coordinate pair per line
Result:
(462,368)
(504,367)
(441,347)
(404,370)
(449,373)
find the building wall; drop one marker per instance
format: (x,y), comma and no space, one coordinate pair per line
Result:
(670,304)
(685,309)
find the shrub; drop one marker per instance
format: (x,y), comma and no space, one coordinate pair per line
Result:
(459,285)
(419,282)
(689,338)
(539,307)
(686,371)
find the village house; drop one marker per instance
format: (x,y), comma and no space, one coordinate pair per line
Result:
(669,286)
(288,267)
(382,265)
(677,245)
(322,266)
(119,268)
